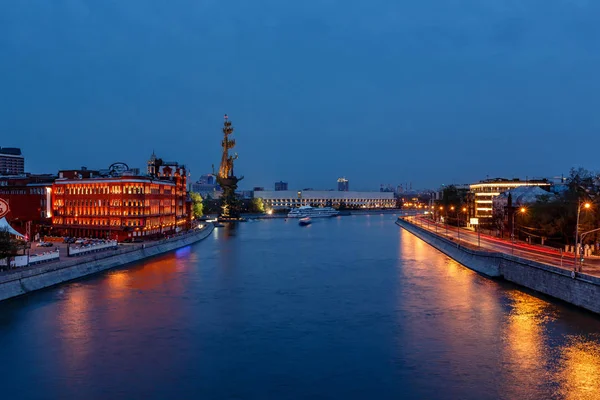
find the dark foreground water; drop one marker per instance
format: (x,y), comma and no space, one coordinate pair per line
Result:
(348,308)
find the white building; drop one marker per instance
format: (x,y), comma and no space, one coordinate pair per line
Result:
(322,198)
(484,192)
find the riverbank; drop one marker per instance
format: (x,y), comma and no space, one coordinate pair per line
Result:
(578,289)
(22,281)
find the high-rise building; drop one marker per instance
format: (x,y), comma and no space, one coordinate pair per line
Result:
(12,161)
(343,185)
(281,185)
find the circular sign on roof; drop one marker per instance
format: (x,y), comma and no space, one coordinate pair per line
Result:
(3,208)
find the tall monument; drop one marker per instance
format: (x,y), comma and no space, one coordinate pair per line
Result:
(230,210)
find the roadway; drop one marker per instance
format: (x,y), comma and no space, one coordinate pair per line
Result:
(546,255)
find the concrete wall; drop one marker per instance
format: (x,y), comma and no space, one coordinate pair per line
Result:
(21,282)
(582,291)
(484,262)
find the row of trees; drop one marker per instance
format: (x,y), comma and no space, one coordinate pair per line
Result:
(552,217)
(555,216)
(213,206)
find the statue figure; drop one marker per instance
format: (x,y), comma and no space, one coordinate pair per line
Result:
(226,179)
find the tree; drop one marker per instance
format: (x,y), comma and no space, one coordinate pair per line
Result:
(9,246)
(257,205)
(451,204)
(197,204)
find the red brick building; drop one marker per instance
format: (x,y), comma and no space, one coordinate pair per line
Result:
(29,199)
(121,207)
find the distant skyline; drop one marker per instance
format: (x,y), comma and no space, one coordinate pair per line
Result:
(380,92)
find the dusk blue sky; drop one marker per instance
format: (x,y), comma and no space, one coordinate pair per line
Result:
(428,91)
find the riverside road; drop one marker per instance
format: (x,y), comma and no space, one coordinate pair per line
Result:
(546,255)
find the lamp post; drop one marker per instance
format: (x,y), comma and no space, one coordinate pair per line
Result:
(512,234)
(451,209)
(585,205)
(464,209)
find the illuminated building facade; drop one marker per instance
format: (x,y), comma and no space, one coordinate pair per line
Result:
(122,207)
(29,200)
(484,193)
(285,199)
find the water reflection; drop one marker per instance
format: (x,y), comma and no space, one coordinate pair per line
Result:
(537,358)
(579,369)
(525,347)
(350,308)
(75,324)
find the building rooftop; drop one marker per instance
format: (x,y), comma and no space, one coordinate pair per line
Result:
(11,151)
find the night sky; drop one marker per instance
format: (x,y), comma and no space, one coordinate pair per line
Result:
(427,91)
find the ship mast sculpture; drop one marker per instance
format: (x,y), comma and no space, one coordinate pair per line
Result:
(230,208)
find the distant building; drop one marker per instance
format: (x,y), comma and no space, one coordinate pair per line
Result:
(12,161)
(258,188)
(484,192)
(281,185)
(343,185)
(207,187)
(244,194)
(321,198)
(82,173)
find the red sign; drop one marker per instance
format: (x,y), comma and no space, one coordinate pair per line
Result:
(3,208)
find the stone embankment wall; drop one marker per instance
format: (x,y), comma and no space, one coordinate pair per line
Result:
(582,291)
(27,280)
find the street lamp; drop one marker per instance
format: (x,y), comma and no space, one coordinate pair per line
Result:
(464,210)
(451,209)
(512,235)
(585,205)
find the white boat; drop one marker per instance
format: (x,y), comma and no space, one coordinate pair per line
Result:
(313,212)
(304,221)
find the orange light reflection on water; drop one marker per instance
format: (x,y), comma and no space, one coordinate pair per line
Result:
(525,349)
(75,326)
(579,370)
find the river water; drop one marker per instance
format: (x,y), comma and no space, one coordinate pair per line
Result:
(347,308)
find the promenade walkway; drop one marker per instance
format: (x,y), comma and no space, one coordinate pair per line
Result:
(542,254)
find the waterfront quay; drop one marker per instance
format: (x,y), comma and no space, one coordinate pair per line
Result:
(346,308)
(520,267)
(19,281)
(472,239)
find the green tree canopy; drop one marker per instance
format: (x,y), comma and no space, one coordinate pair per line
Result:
(257,205)
(9,245)
(197,204)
